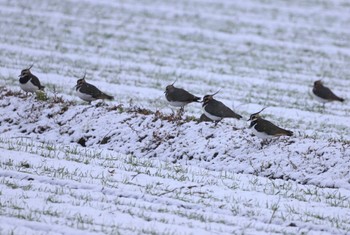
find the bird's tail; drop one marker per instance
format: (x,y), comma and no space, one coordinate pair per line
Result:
(289,133)
(238,116)
(105,96)
(196,99)
(340,99)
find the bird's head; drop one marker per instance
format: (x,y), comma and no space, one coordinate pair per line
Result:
(255,116)
(318,83)
(25,72)
(81,81)
(208,98)
(170,88)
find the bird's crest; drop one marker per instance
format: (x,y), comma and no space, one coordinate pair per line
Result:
(256,115)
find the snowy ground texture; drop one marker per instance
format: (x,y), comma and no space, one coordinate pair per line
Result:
(129,167)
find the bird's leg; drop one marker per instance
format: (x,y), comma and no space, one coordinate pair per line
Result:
(33,97)
(26,94)
(322,107)
(264,142)
(172,112)
(261,145)
(32,108)
(180,112)
(182,109)
(216,122)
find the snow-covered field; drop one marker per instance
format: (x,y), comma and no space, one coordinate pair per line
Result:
(126,166)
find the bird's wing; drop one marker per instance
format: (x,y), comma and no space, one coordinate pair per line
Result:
(182,96)
(219,109)
(325,93)
(36,82)
(269,128)
(91,89)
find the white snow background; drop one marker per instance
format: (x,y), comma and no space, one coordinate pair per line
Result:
(125,166)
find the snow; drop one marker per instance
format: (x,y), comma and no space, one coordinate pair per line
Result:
(129,166)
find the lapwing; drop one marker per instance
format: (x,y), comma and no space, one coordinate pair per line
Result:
(29,82)
(216,110)
(265,129)
(324,94)
(179,97)
(89,92)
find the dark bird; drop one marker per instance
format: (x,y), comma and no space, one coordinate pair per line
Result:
(265,129)
(179,97)
(216,110)
(29,82)
(89,92)
(324,94)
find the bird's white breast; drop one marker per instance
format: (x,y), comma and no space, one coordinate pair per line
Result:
(212,117)
(28,87)
(177,103)
(84,96)
(261,135)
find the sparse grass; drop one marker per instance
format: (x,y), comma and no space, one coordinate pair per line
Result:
(197,193)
